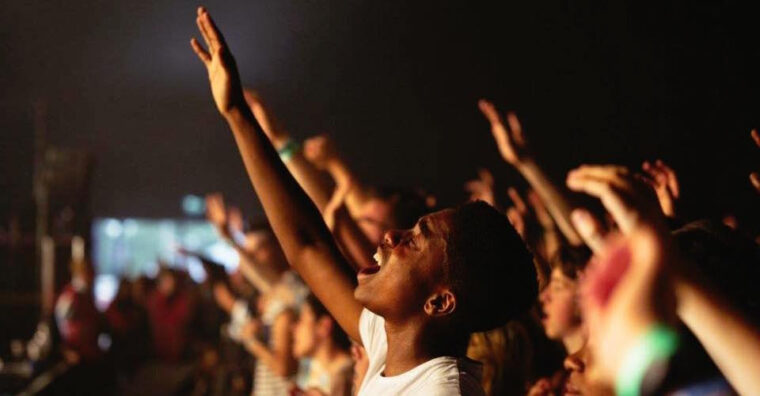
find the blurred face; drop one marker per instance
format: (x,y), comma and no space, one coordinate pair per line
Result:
(559,306)
(305,333)
(265,249)
(409,270)
(374,219)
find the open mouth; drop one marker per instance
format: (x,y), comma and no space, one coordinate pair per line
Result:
(367,272)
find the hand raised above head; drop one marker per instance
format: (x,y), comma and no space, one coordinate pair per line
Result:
(625,196)
(665,183)
(216,211)
(220,64)
(510,141)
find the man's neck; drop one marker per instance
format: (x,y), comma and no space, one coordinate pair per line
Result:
(414,343)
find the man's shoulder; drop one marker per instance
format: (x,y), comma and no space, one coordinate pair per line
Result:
(450,376)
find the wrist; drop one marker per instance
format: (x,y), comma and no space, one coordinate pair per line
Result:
(646,361)
(525,163)
(288,149)
(280,141)
(236,113)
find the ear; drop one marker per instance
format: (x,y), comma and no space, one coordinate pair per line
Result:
(441,303)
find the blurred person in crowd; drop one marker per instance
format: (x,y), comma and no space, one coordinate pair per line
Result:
(326,366)
(128,326)
(266,331)
(79,322)
(561,316)
(82,328)
(170,310)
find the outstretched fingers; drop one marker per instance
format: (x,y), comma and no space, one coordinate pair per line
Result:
(671,178)
(489,111)
(210,32)
(203,55)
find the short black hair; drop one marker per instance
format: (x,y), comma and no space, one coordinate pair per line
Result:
(489,267)
(339,337)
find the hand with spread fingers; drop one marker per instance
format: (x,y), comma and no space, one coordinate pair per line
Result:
(626,291)
(626,197)
(665,183)
(220,64)
(628,286)
(216,213)
(509,139)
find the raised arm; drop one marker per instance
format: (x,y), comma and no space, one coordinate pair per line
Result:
(732,342)
(311,180)
(319,151)
(298,225)
(228,225)
(512,146)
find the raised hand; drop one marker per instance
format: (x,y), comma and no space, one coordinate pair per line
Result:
(216,212)
(518,214)
(510,141)
(665,183)
(320,151)
(220,64)
(273,129)
(482,187)
(626,197)
(754,177)
(626,290)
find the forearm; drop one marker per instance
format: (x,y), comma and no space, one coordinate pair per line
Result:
(307,243)
(343,176)
(555,201)
(353,241)
(310,179)
(294,218)
(254,276)
(731,342)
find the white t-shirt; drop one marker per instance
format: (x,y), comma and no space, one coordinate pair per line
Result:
(437,377)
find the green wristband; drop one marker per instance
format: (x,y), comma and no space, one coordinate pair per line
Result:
(288,149)
(657,345)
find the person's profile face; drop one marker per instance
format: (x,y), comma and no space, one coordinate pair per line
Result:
(410,268)
(559,306)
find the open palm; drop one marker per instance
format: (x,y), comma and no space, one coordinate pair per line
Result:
(220,64)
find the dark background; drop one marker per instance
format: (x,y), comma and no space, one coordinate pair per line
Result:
(395,83)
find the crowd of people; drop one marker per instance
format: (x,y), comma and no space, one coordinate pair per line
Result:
(351,289)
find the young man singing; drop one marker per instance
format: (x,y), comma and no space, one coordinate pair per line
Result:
(456,272)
